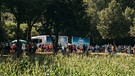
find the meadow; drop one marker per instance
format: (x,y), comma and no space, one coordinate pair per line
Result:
(68,65)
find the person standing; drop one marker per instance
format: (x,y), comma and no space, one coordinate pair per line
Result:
(30,47)
(129,49)
(113,48)
(24,47)
(34,48)
(134,50)
(109,49)
(97,48)
(45,47)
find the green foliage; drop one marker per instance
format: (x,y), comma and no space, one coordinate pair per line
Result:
(126,3)
(112,23)
(17,8)
(98,4)
(32,14)
(11,30)
(8,31)
(61,14)
(62,65)
(34,32)
(68,17)
(132,29)
(129,14)
(8,17)
(93,8)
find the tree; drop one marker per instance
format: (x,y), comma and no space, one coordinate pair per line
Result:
(112,24)
(17,8)
(54,18)
(64,16)
(77,21)
(95,6)
(33,12)
(24,11)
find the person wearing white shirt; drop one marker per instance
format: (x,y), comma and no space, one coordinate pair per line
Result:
(128,49)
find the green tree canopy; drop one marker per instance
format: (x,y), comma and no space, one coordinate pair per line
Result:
(132,29)
(129,15)
(112,23)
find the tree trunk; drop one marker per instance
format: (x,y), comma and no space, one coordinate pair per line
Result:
(18,49)
(53,40)
(56,44)
(0,18)
(29,33)
(29,37)
(56,40)
(114,41)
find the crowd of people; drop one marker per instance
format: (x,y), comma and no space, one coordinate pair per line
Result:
(7,47)
(32,47)
(110,48)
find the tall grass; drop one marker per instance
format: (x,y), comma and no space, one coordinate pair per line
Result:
(72,65)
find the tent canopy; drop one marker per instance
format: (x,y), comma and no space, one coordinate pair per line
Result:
(22,41)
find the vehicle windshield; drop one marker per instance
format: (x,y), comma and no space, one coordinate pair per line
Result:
(36,40)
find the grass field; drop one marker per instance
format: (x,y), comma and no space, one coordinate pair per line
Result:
(68,65)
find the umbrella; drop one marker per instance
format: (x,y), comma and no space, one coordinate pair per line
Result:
(22,41)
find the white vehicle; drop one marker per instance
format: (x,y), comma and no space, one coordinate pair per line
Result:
(40,40)
(45,39)
(63,40)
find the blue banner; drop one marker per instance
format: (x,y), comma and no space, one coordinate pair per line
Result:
(78,41)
